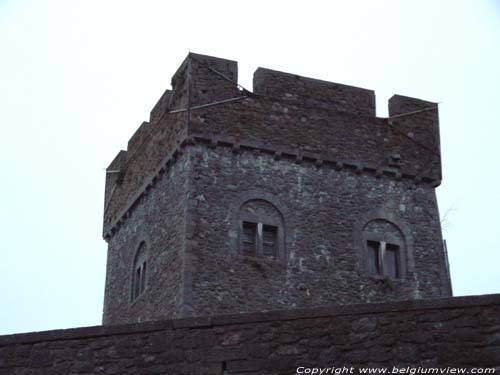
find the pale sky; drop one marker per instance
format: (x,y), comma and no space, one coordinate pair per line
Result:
(78,77)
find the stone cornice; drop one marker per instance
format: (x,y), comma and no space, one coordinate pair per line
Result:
(296,155)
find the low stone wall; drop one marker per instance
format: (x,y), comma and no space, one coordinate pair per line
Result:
(461,332)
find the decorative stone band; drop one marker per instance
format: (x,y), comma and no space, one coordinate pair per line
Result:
(295,155)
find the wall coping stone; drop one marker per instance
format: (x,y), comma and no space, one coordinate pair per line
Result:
(256,317)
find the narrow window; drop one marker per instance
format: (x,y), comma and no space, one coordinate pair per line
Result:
(269,241)
(391,261)
(249,238)
(139,275)
(137,285)
(373,248)
(143,277)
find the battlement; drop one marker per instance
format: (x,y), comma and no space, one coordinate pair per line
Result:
(284,112)
(215,79)
(199,80)
(313,93)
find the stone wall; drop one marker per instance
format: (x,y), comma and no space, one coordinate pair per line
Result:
(312,149)
(313,93)
(151,148)
(457,332)
(328,134)
(325,213)
(159,219)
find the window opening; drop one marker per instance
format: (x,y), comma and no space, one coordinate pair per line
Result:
(269,241)
(249,238)
(373,257)
(139,273)
(260,231)
(383,259)
(259,239)
(391,261)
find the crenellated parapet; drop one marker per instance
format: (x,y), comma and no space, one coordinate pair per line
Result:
(313,93)
(328,121)
(418,121)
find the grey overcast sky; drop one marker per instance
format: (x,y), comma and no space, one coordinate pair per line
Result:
(78,77)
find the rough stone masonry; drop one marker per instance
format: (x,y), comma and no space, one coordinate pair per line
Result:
(458,333)
(293,198)
(293,195)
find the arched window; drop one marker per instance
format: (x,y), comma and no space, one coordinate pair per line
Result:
(261,230)
(139,272)
(384,249)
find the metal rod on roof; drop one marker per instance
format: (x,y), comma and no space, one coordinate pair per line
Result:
(413,112)
(208,104)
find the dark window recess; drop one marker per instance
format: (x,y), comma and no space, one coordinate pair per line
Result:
(259,240)
(139,280)
(373,257)
(139,273)
(249,238)
(269,241)
(391,261)
(143,277)
(137,285)
(383,259)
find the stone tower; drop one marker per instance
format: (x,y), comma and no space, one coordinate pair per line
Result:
(292,195)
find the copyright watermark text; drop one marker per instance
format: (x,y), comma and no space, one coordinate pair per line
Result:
(394,370)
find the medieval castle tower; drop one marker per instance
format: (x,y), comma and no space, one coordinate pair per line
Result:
(293,198)
(293,195)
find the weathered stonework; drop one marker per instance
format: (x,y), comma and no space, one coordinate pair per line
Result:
(304,169)
(329,172)
(323,262)
(440,333)
(158,218)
